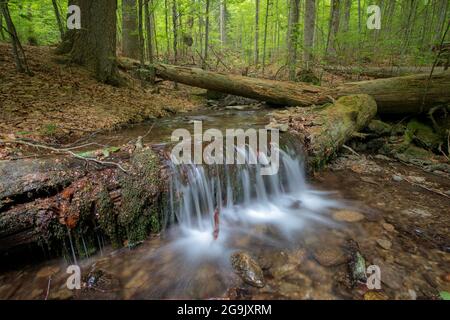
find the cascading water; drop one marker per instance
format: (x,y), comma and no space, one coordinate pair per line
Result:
(211,207)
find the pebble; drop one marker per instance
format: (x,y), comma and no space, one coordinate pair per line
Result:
(248,269)
(385,244)
(388,227)
(375,295)
(347,216)
(330,256)
(397,178)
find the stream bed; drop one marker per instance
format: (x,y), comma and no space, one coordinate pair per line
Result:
(380,205)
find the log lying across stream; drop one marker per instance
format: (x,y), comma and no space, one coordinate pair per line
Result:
(60,202)
(409,94)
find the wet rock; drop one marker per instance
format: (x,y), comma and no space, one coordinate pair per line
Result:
(416,179)
(357,264)
(375,295)
(383,157)
(417,212)
(283,127)
(347,216)
(329,256)
(446,277)
(239,108)
(390,276)
(397,178)
(248,269)
(384,243)
(422,135)
(102,281)
(388,227)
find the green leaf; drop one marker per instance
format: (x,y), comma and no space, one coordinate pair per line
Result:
(444,295)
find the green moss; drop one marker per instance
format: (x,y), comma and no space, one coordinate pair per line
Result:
(422,135)
(140,197)
(107,218)
(379,127)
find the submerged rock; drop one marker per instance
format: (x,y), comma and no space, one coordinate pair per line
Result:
(347,216)
(375,295)
(329,256)
(248,269)
(385,244)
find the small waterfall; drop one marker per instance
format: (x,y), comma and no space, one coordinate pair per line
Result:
(211,206)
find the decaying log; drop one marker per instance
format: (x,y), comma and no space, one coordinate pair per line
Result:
(380,72)
(323,130)
(409,94)
(55,196)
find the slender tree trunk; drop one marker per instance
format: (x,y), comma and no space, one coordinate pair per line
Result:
(205,52)
(222,20)
(94,45)
(148,24)
(257,33)
(175,31)
(141,31)
(166,20)
(19,53)
(333,29)
(292,37)
(58,18)
(265,35)
(441,20)
(2,34)
(308,34)
(130,34)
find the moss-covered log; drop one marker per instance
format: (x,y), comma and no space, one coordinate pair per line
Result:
(45,205)
(409,94)
(324,129)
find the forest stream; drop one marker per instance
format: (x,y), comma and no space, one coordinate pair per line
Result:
(289,236)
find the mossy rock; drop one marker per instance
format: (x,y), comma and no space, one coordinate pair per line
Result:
(379,127)
(422,135)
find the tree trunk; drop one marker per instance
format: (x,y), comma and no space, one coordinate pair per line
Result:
(141,32)
(94,45)
(175,31)
(149,30)
(222,20)
(333,29)
(130,34)
(58,18)
(205,51)
(265,35)
(19,53)
(256,32)
(308,34)
(398,95)
(441,21)
(292,38)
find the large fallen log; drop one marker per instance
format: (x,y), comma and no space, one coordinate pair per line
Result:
(409,94)
(381,72)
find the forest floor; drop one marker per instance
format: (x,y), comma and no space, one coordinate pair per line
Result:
(62,102)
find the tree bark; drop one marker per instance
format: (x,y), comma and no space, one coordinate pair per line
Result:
(222,20)
(130,35)
(256,32)
(58,18)
(149,29)
(398,95)
(308,34)
(205,51)
(94,45)
(333,29)
(292,38)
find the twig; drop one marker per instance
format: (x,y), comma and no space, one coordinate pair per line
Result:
(351,150)
(66,151)
(426,188)
(48,287)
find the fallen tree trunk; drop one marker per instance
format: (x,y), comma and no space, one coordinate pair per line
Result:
(380,72)
(410,94)
(323,130)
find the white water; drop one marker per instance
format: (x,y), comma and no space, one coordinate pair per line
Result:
(270,209)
